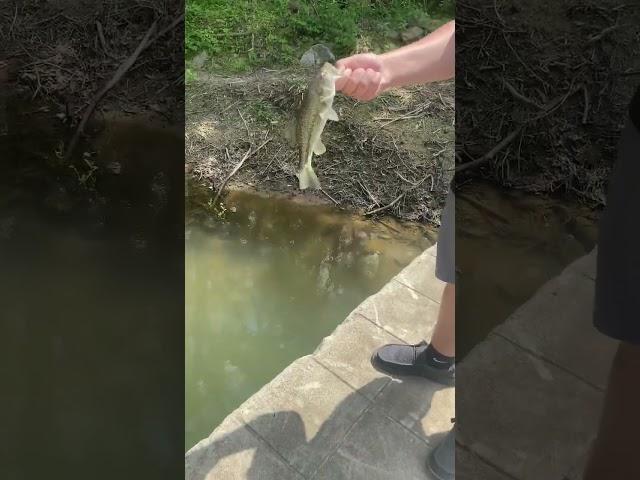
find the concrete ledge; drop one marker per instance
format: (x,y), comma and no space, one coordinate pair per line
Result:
(330,414)
(533,390)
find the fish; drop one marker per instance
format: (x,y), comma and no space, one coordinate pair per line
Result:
(307,126)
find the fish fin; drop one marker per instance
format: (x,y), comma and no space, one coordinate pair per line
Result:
(330,114)
(290,131)
(319,148)
(307,178)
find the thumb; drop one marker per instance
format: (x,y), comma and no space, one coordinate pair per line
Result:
(341,64)
(343,78)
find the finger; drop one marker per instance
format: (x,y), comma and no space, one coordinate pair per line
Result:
(341,81)
(347,86)
(375,83)
(373,88)
(342,63)
(355,82)
(352,82)
(364,84)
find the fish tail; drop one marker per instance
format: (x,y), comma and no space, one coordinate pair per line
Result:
(308,178)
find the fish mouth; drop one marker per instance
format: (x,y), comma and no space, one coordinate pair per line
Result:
(331,74)
(330,70)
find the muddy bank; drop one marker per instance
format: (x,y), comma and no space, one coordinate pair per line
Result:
(65,51)
(127,176)
(398,147)
(552,78)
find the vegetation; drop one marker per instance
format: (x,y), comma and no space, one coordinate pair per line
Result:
(245,34)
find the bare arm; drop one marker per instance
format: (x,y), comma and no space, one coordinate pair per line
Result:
(430,59)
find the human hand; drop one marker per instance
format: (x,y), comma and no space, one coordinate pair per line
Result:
(363,76)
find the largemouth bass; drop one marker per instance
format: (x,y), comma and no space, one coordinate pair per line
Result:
(311,118)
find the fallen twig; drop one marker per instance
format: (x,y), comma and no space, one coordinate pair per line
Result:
(330,197)
(604,32)
(386,207)
(398,198)
(556,103)
(103,41)
(415,113)
(491,153)
(366,190)
(245,124)
(124,67)
(585,113)
(249,153)
(519,95)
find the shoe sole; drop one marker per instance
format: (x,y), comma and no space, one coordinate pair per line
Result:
(439,473)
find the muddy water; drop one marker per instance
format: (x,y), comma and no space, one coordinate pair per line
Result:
(265,283)
(508,244)
(91,296)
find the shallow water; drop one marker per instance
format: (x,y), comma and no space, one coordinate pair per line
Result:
(265,284)
(89,298)
(508,244)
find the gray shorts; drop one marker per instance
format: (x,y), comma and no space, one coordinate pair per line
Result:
(446,247)
(617,302)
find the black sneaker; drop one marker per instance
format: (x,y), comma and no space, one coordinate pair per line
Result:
(442,459)
(410,360)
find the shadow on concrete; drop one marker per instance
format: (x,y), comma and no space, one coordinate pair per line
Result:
(267,463)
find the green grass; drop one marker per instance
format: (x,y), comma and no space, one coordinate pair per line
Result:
(245,34)
(190,76)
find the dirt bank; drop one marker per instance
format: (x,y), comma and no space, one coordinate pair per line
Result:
(553,79)
(398,148)
(64,51)
(56,58)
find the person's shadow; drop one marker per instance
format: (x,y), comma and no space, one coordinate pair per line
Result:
(289,430)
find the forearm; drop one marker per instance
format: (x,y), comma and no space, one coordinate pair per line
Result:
(430,59)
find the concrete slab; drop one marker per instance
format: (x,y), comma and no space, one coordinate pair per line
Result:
(347,353)
(377,449)
(303,413)
(402,312)
(471,467)
(586,265)
(233,452)
(522,414)
(419,275)
(318,419)
(420,405)
(576,472)
(557,324)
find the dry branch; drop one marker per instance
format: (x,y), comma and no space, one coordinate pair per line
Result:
(249,153)
(122,70)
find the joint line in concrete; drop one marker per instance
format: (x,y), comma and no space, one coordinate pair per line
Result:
(272,449)
(541,357)
(486,462)
(381,327)
(415,290)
